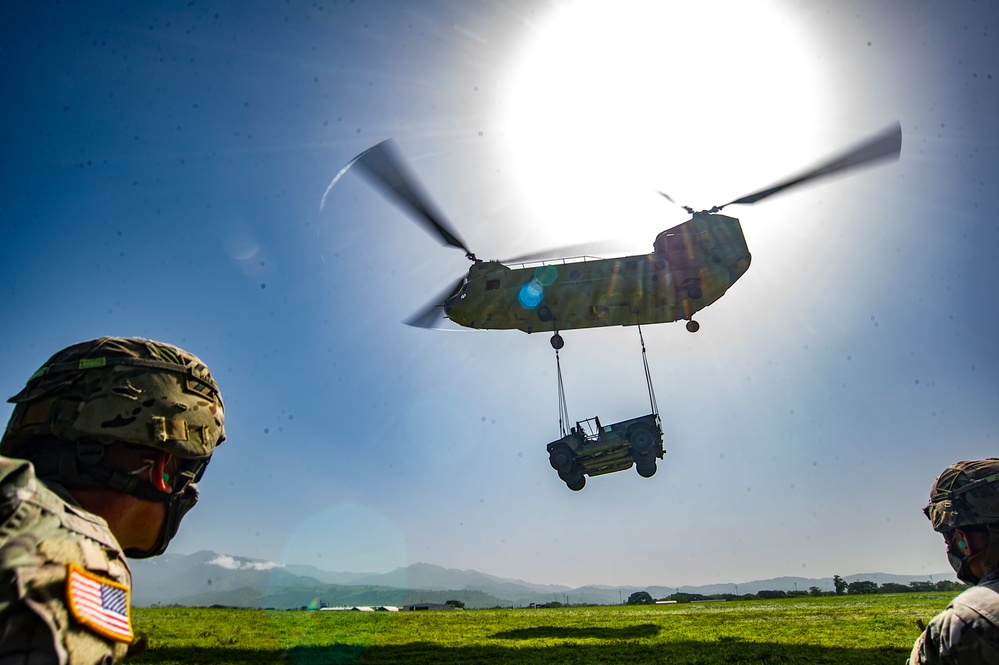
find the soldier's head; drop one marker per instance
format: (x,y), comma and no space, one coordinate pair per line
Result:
(964,507)
(132,416)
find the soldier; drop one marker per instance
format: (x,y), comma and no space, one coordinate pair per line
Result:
(964,507)
(99,461)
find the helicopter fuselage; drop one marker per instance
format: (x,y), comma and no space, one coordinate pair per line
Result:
(691,266)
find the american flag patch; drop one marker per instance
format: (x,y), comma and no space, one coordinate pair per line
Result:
(98,603)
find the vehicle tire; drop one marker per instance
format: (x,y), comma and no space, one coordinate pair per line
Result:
(693,326)
(557,341)
(641,439)
(570,473)
(560,457)
(576,484)
(646,470)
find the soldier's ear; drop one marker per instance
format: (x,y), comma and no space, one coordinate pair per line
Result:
(961,542)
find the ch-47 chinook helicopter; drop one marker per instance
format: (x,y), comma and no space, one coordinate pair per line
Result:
(691,266)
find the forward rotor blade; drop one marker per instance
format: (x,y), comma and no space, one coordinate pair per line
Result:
(433,311)
(883,146)
(386,169)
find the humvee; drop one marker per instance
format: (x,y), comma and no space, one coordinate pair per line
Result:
(592,449)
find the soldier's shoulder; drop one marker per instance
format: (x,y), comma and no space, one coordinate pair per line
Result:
(38,528)
(967,630)
(979,604)
(69,581)
(18,486)
(15,472)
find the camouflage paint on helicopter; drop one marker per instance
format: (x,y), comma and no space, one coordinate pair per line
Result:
(692,265)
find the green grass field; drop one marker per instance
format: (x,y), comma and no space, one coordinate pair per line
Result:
(832,629)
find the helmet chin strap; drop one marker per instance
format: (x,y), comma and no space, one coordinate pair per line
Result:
(962,566)
(178,505)
(992,550)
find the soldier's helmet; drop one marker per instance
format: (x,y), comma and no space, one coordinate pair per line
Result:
(114,389)
(965,494)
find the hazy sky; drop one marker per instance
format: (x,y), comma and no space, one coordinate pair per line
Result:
(163,165)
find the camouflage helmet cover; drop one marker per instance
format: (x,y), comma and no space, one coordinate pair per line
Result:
(115,389)
(965,494)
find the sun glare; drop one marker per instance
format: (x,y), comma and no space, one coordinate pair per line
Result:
(610,102)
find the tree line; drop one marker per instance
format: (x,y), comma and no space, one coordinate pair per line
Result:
(840,587)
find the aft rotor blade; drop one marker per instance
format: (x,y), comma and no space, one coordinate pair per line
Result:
(433,311)
(387,170)
(670,199)
(883,146)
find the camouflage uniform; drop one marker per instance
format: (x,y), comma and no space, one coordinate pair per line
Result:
(64,583)
(966,496)
(966,632)
(43,536)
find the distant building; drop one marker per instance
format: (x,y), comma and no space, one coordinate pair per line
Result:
(426,606)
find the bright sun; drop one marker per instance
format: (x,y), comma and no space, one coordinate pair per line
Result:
(612,101)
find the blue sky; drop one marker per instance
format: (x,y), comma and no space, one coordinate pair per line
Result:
(163,165)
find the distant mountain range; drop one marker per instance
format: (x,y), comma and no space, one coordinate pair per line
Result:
(206,578)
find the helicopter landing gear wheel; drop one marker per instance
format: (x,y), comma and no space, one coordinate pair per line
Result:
(557,341)
(693,326)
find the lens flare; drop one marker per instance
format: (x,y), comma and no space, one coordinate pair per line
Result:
(531,294)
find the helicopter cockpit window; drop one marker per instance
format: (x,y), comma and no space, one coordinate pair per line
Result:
(492,284)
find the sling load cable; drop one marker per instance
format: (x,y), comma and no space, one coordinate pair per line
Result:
(563,411)
(648,375)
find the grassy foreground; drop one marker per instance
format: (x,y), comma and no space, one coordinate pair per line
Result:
(833,629)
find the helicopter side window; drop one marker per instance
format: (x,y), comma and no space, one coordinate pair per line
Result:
(492,284)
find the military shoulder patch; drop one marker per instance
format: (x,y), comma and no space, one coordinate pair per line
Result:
(99,603)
